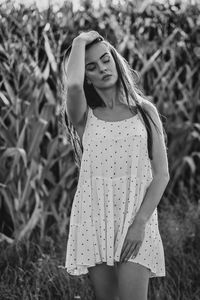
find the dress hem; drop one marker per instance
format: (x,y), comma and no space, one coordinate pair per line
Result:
(75,272)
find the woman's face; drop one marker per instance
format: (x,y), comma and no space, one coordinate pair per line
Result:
(100,68)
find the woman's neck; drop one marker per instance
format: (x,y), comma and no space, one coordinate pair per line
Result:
(110,97)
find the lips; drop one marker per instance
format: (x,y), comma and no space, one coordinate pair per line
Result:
(106,76)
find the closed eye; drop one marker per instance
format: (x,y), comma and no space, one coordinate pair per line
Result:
(91,67)
(105,58)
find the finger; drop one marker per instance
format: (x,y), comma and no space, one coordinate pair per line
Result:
(136,250)
(124,246)
(123,249)
(96,34)
(125,252)
(130,252)
(93,33)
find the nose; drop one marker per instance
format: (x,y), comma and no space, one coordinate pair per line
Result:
(102,67)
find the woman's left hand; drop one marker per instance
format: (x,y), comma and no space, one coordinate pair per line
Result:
(133,241)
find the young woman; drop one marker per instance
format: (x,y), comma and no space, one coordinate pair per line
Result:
(114,231)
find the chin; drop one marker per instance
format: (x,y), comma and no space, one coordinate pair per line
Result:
(107,84)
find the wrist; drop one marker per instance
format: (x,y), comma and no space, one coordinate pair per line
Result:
(79,41)
(141,220)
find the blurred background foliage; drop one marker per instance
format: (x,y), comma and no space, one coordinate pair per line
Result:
(38,174)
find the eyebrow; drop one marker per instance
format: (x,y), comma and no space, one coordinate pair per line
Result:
(99,58)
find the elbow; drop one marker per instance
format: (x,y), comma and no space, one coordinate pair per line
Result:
(162,176)
(167,177)
(74,87)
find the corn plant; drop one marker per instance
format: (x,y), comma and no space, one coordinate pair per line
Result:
(38,174)
(37,169)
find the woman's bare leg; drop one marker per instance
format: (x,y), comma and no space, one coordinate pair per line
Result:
(104,281)
(133,281)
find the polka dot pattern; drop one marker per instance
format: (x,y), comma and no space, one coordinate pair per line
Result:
(114,176)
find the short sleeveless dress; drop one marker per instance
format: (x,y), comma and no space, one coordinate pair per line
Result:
(114,175)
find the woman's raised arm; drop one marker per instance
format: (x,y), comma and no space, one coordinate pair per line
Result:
(74,67)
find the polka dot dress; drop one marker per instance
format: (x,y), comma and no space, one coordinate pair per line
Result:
(114,176)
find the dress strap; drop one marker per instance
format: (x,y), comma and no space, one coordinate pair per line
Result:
(89,109)
(90,113)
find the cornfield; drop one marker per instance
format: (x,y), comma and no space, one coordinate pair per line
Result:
(38,175)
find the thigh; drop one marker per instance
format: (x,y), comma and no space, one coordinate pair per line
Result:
(133,281)
(104,281)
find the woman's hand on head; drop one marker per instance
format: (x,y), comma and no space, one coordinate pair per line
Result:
(87,37)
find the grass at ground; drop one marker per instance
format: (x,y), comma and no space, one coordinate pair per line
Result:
(34,270)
